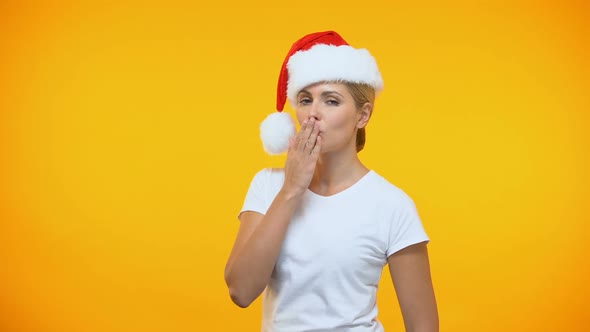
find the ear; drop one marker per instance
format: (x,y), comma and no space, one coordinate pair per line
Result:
(364,115)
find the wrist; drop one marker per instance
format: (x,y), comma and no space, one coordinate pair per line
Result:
(289,193)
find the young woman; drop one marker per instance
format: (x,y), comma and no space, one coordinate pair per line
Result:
(316,235)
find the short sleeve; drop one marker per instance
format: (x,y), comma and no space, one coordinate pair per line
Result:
(406,227)
(256,196)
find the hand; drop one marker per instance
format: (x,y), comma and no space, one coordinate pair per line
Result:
(302,156)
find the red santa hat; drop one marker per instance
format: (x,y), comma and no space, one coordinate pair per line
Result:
(316,57)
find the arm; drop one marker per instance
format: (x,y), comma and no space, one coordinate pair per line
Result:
(257,248)
(410,273)
(260,238)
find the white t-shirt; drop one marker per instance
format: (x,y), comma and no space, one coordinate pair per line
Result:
(328,271)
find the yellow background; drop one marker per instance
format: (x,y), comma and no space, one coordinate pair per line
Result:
(129,136)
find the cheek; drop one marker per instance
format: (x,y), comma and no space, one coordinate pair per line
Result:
(301,115)
(341,120)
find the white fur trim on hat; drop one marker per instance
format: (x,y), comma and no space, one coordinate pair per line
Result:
(331,63)
(275,132)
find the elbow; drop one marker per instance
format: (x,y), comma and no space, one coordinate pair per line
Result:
(239,300)
(238,297)
(241,291)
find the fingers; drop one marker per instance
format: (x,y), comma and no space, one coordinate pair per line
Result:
(315,153)
(312,140)
(308,136)
(300,140)
(306,129)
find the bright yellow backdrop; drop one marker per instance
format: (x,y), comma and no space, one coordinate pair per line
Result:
(129,135)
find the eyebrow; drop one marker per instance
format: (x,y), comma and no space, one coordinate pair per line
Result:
(325,93)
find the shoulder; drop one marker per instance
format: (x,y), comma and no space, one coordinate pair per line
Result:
(388,193)
(270,175)
(269,179)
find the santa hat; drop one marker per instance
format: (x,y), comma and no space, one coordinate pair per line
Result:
(317,57)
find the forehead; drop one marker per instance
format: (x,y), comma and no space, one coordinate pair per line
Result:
(321,87)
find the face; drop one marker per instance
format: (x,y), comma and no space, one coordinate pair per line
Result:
(336,113)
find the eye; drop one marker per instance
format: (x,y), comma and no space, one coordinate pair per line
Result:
(332,102)
(304,101)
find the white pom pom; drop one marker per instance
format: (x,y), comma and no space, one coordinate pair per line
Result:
(275,131)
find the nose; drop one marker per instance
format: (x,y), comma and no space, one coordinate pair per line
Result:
(314,110)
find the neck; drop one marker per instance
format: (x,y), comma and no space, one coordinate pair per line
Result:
(337,171)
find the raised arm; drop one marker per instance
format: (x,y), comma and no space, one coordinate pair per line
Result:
(410,273)
(260,238)
(257,248)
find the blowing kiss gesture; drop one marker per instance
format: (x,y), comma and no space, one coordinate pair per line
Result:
(302,156)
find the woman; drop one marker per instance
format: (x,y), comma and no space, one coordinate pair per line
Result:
(317,234)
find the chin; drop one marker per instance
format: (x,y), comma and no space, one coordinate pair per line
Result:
(327,149)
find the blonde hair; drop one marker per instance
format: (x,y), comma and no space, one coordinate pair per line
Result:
(362,94)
